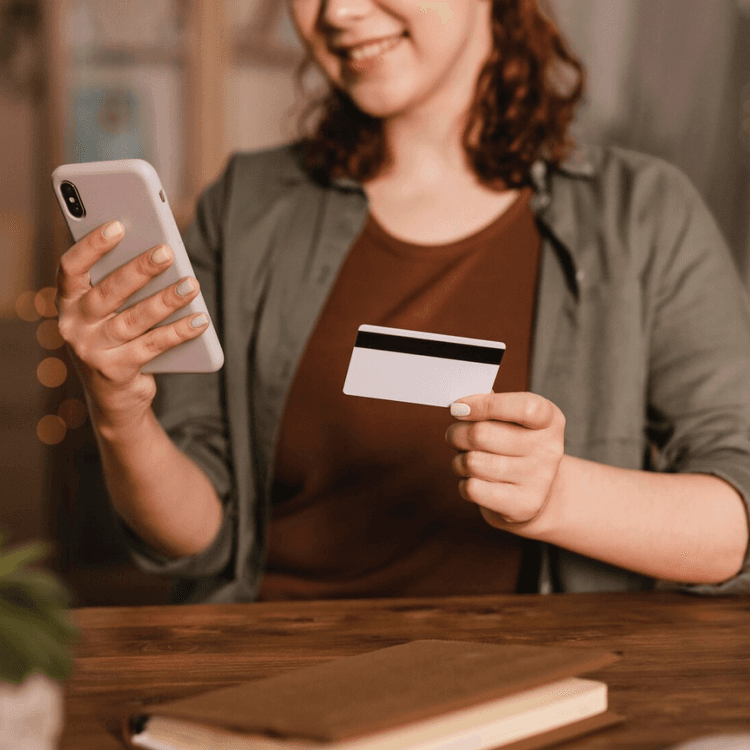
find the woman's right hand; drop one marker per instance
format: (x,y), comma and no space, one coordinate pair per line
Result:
(109,348)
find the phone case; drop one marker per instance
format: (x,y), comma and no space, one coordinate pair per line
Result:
(130,190)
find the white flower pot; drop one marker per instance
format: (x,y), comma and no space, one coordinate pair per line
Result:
(31,714)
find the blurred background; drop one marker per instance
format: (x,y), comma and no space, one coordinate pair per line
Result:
(183,84)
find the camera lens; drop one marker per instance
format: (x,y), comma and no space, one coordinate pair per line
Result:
(72,200)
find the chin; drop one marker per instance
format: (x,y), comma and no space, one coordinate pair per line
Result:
(380,111)
(382,106)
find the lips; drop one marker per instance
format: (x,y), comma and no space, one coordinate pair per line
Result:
(367,48)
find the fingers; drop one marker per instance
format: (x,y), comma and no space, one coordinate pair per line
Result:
(112,291)
(139,318)
(525,409)
(119,363)
(492,437)
(490,467)
(510,447)
(161,339)
(507,423)
(502,502)
(74,266)
(115,345)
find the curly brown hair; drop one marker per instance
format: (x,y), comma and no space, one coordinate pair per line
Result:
(525,100)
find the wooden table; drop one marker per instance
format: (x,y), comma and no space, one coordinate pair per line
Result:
(684,670)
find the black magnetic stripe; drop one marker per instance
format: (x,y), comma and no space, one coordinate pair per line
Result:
(488,355)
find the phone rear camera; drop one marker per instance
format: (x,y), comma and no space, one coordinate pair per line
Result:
(72,200)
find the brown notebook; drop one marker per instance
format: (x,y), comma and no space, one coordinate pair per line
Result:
(414,696)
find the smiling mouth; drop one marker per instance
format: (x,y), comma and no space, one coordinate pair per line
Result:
(371,49)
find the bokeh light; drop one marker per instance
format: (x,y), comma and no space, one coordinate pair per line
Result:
(48,335)
(73,412)
(51,429)
(45,302)
(52,372)
(25,308)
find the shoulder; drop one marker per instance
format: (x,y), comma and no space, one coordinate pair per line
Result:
(619,214)
(269,169)
(625,204)
(262,174)
(627,179)
(252,183)
(281,161)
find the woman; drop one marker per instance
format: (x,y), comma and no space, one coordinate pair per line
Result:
(434,196)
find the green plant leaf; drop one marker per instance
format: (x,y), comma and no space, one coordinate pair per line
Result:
(21,654)
(33,592)
(11,561)
(17,605)
(15,664)
(35,633)
(38,645)
(45,584)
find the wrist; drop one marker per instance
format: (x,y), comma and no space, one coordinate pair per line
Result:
(551,517)
(113,429)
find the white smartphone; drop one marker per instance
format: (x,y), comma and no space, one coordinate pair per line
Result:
(129,190)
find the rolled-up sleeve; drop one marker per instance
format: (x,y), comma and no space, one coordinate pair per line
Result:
(699,384)
(191,407)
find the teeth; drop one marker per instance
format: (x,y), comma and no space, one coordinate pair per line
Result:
(375,48)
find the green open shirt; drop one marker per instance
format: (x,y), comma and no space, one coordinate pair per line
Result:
(641,337)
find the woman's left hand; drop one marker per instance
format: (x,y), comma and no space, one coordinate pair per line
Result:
(510,448)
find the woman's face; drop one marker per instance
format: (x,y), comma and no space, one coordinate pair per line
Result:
(393,56)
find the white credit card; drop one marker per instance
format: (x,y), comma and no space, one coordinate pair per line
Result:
(420,368)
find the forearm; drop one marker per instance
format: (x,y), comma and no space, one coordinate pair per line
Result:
(689,528)
(160,493)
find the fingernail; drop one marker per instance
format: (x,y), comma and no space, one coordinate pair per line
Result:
(460,410)
(201,320)
(115,229)
(185,288)
(160,255)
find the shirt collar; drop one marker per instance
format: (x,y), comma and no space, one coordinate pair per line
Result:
(581,163)
(347,183)
(559,211)
(554,203)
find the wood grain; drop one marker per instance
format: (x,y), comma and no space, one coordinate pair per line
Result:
(684,670)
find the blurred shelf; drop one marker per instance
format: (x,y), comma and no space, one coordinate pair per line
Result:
(135,55)
(249,51)
(61,487)
(22,401)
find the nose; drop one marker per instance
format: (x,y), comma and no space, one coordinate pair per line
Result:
(337,12)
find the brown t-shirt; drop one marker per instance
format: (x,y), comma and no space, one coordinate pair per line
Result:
(364,499)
